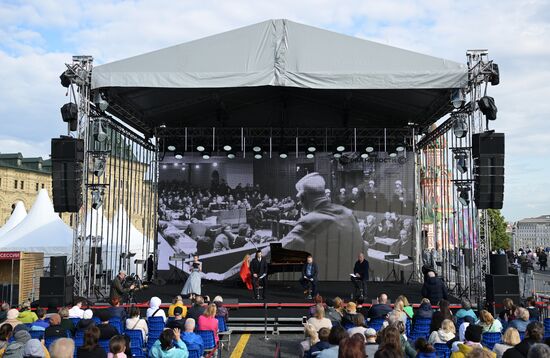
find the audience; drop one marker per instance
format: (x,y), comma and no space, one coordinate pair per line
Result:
(462,329)
(222,311)
(390,343)
(116,310)
(20,337)
(446,333)
(66,323)
(509,339)
(317,300)
(539,350)
(358,326)
(353,347)
(488,323)
(371,346)
(11,318)
(34,348)
(319,321)
(406,306)
(532,308)
(424,310)
(154,309)
(55,329)
(533,334)
(349,313)
(521,321)
(197,309)
(424,349)
(5,334)
(192,340)
(62,348)
(91,348)
(508,312)
(4,308)
(177,302)
(337,333)
(42,322)
(25,313)
(441,315)
(381,309)
(472,340)
(208,322)
(169,345)
(117,347)
(76,311)
(399,312)
(322,344)
(335,310)
(466,309)
(178,321)
(135,322)
(86,321)
(106,330)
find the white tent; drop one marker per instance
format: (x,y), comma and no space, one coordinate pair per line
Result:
(42,230)
(16,217)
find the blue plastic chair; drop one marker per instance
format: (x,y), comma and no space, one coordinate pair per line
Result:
(407,327)
(224,333)
(194,353)
(75,321)
(49,340)
(136,338)
(459,321)
(104,343)
(376,323)
(155,323)
(546,323)
(37,334)
(117,323)
(150,342)
(489,339)
(522,335)
(137,352)
(208,340)
(421,329)
(442,350)
(96,320)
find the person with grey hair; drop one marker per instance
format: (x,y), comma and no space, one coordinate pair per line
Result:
(328,231)
(539,350)
(465,310)
(192,340)
(62,348)
(117,287)
(4,311)
(534,334)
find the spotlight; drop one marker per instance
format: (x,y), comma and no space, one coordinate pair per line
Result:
(337,155)
(364,155)
(257,148)
(227,147)
(258,156)
(461,162)
(401,147)
(283,154)
(99,166)
(201,148)
(488,107)
(171,148)
(65,79)
(311,147)
(100,134)
(178,155)
(460,127)
(69,114)
(100,102)
(206,155)
(464,196)
(393,154)
(369,149)
(310,155)
(197,166)
(97,198)
(457,98)
(340,148)
(231,155)
(214,164)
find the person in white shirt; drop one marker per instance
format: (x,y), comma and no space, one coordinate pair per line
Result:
(135,322)
(154,309)
(359,325)
(319,321)
(76,311)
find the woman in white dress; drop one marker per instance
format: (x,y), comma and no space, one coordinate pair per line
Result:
(192,286)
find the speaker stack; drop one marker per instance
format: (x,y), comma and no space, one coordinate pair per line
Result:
(67,160)
(56,290)
(488,155)
(499,284)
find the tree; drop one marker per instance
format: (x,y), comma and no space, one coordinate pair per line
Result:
(497,225)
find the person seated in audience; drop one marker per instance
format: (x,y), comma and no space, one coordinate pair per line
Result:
(208,322)
(441,315)
(322,344)
(508,311)
(76,311)
(488,322)
(539,350)
(91,347)
(154,309)
(337,334)
(407,349)
(472,340)
(358,325)
(352,347)
(424,310)
(221,310)
(106,330)
(532,308)
(468,320)
(509,339)
(117,347)
(20,337)
(390,343)
(11,318)
(424,349)
(406,306)
(5,335)
(371,346)
(116,310)
(381,309)
(55,329)
(178,321)
(319,320)
(169,345)
(42,323)
(335,310)
(434,288)
(66,323)
(86,321)
(135,322)
(317,300)
(34,349)
(398,311)
(349,312)
(521,321)
(197,309)
(533,334)
(4,308)
(62,348)
(446,333)
(177,302)
(465,310)
(192,340)
(311,338)
(25,313)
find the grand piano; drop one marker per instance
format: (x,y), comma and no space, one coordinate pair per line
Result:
(285,260)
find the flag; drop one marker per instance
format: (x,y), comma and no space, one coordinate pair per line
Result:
(245,273)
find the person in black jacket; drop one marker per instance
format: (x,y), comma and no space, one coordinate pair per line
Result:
(117,287)
(106,330)
(309,277)
(91,348)
(434,289)
(381,309)
(258,269)
(361,276)
(533,334)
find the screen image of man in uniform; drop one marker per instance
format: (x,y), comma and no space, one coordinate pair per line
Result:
(309,278)
(118,291)
(360,276)
(327,231)
(258,269)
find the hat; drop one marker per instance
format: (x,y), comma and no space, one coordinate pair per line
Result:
(473,333)
(12,314)
(218,299)
(311,183)
(178,311)
(33,348)
(22,336)
(370,332)
(88,314)
(103,315)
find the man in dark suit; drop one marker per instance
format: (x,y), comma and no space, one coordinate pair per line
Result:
(258,269)
(361,276)
(434,288)
(309,277)
(118,290)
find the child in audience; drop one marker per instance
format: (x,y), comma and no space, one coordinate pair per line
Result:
(117,346)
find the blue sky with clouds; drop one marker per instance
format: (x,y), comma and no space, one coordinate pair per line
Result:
(38,37)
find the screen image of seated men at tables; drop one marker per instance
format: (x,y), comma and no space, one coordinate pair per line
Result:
(225,209)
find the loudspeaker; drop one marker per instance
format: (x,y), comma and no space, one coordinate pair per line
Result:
(58,266)
(67,159)
(56,291)
(498,264)
(488,156)
(499,287)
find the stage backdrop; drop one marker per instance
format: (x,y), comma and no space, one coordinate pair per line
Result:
(226,209)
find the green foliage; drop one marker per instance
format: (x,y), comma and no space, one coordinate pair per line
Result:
(499,238)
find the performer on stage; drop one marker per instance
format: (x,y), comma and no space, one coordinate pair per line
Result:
(192,286)
(309,277)
(117,287)
(258,268)
(360,276)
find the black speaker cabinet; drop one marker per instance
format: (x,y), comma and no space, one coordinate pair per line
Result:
(498,264)
(488,155)
(58,266)
(67,159)
(499,287)
(56,291)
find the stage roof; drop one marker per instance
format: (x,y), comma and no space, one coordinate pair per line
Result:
(275,73)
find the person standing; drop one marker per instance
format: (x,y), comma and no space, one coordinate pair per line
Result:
(360,276)
(192,286)
(258,268)
(149,266)
(309,277)
(434,288)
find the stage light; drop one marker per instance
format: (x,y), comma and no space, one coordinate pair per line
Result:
(206,155)
(258,156)
(340,148)
(283,155)
(201,148)
(171,148)
(461,162)
(69,114)
(65,79)
(183,168)
(197,166)
(364,155)
(176,164)
(310,155)
(337,155)
(164,166)
(393,154)
(311,147)
(214,164)
(460,127)
(401,147)
(495,75)
(464,196)
(100,134)
(227,147)
(100,102)
(97,198)
(369,149)
(257,148)
(231,155)
(457,98)
(178,155)
(99,166)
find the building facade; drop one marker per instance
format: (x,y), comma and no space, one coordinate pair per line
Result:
(531,233)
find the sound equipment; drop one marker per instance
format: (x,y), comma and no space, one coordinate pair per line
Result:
(58,266)
(499,287)
(56,291)
(67,159)
(498,264)
(95,254)
(488,156)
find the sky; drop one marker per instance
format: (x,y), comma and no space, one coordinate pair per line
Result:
(38,37)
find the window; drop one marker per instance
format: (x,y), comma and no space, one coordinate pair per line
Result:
(15,184)
(22,184)
(42,185)
(36,186)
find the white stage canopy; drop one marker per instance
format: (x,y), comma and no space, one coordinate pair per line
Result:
(18,214)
